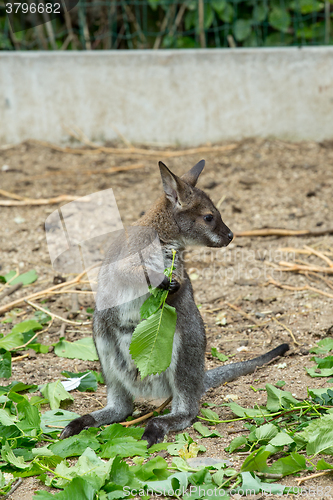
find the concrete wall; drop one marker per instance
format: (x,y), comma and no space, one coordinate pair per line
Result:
(176,97)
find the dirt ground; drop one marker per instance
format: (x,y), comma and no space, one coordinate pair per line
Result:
(258,184)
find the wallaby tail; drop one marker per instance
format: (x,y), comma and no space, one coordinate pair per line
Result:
(222,374)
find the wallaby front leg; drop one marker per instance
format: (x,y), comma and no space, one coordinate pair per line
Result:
(119,406)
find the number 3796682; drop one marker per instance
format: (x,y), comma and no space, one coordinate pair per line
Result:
(16,7)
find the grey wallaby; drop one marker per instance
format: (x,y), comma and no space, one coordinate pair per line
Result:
(183,215)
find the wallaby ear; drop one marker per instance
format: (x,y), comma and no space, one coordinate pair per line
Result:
(192,175)
(175,189)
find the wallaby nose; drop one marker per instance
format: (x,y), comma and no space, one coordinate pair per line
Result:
(230,235)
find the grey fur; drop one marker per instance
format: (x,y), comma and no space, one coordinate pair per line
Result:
(178,219)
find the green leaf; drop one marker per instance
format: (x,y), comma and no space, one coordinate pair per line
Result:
(323,372)
(75,445)
(88,383)
(6,419)
(125,446)
(266,432)
(324,346)
(256,461)
(156,468)
(227,14)
(219,5)
(322,440)
(277,399)
(254,485)
(78,489)
(211,415)
(219,355)
(81,349)
(7,455)
(236,443)
(11,341)
(56,393)
(281,439)
(259,13)
(5,365)
(152,341)
(289,465)
(204,431)
(244,412)
(242,29)
(94,469)
(152,304)
(117,431)
(26,326)
(279,19)
(314,433)
(322,465)
(25,278)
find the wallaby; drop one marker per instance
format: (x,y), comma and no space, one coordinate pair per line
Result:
(184,215)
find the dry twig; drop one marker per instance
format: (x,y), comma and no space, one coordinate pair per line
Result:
(55,316)
(148,415)
(136,151)
(283,232)
(288,330)
(313,476)
(40,201)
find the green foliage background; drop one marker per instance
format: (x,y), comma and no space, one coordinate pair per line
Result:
(144,24)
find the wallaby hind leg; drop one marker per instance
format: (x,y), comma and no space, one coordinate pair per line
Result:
(119,406)
(177,420)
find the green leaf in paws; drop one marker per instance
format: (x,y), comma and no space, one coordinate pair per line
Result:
(153,303)
(152,341)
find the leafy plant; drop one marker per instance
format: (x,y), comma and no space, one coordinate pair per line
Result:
(152,340)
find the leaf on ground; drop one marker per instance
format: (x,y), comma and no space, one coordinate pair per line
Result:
(211,415)
(25,278)
(55,393)
(11,341)
(152,342)
(78,489)
(26,326)
(244,412)
(74,446)
(266,432)
(94,469)
(117,431)
(281,439)
(324,346)
(219,355)
(277,399)
(236,443)
(7,455)
(289,465)
(255,485)
(125,446)
(204,431)
(256,461)
(88,381)
(81,349)
(6,418)
(5,365)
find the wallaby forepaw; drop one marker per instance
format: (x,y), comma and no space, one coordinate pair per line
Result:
(154,433)
(172,286)
(77,425)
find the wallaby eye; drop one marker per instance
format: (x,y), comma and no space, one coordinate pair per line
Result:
(208,218)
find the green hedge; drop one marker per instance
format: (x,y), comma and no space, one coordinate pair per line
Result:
(108,24)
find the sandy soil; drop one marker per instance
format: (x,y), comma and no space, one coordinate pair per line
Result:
(260,183)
